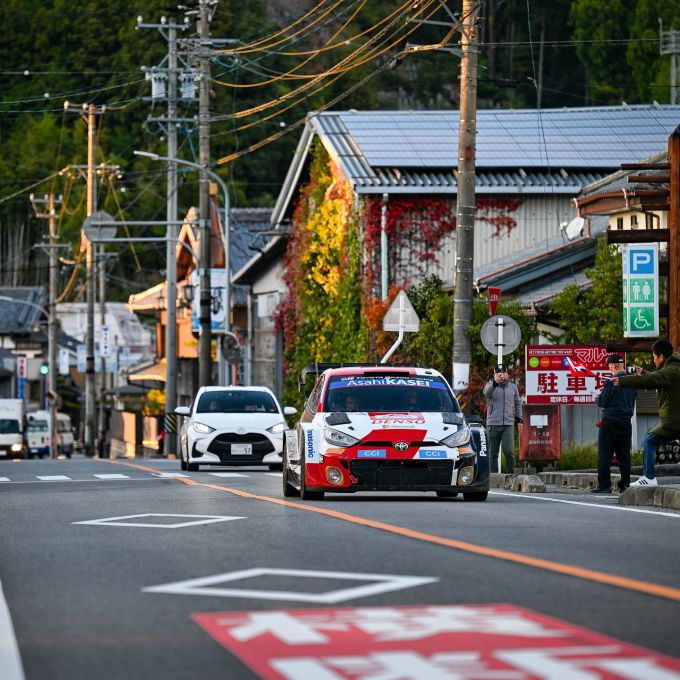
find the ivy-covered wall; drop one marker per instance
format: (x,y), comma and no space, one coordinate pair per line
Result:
(333,311)
(321,315)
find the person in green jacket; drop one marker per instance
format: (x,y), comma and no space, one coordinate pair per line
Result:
(666,380)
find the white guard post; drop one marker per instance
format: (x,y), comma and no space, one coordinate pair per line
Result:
(400,317)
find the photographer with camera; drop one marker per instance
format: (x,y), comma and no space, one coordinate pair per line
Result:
(666,380)
(504,411)
(618,405)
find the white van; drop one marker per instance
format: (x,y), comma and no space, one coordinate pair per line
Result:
(38,434)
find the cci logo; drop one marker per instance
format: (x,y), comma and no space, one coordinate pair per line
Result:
(372,453)
(432,453)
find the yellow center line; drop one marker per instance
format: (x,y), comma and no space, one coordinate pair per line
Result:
(666,592)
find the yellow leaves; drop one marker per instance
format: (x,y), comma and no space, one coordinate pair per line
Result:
(327,227)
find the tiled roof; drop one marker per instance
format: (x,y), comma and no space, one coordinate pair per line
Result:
(592,137)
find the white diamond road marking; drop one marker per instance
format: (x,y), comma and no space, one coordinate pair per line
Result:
(170,474)
(113,476)
(377,584)
(117,521)
(227,474)
(53,478)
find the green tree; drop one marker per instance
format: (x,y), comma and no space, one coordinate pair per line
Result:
(594,315)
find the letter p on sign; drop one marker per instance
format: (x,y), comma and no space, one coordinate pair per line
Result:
(641,261)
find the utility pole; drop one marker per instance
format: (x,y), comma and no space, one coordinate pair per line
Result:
(52,392)
(465,202)
(90,292)
(88,112)
(169,29)
(669,43)
(205,333)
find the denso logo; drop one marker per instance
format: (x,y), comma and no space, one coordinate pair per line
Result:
(310,444)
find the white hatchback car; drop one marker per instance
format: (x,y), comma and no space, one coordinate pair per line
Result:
(232,426)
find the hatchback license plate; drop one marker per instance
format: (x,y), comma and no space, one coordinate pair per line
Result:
(241,449)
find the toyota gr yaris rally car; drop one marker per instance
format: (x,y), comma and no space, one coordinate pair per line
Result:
(384,428)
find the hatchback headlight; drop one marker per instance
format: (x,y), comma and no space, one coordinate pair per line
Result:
(458,438)
(279,427)
(203,429)
(337,438)
(16,447)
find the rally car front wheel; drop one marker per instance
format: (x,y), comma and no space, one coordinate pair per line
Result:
(305,493)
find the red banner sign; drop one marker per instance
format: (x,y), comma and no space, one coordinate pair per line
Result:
(443,641)
(565,374)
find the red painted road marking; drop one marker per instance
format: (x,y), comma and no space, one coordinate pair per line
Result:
(444,642)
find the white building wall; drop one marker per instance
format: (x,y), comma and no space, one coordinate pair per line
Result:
(537,230)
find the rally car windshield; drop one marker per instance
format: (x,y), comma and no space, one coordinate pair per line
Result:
(383,394)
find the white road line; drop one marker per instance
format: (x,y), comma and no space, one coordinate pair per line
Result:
(10,660)
(169,475)
(227,474)
(4,479)
(53,478)
(656,513)
(274,474)
(113,476)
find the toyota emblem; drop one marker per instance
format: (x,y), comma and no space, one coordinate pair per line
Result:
(400,446)
(241,430)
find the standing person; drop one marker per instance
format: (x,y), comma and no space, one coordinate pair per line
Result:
(618,404)
(504,411)
(666,380)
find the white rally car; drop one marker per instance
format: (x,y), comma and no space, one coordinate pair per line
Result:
(383,428)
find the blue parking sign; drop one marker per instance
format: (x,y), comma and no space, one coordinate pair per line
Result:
(641,260)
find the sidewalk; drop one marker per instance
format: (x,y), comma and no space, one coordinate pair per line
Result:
(665,495)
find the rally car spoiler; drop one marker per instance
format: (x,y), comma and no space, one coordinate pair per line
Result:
(316,369)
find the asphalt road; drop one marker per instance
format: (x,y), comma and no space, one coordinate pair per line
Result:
(219,577)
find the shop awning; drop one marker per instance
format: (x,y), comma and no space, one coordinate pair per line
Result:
(151,377)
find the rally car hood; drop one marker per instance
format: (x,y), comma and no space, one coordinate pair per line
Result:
(394,425)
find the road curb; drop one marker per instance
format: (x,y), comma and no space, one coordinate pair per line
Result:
(522,483)
(656,496)
(663,496)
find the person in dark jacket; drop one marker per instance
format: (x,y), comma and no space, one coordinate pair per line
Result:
(618,404)
(504,411)
(666,380)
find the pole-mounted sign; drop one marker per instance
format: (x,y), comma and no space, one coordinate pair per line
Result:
(401,316)
(494,295)
(641,290)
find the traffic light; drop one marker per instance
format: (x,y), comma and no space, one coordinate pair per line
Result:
(44,368)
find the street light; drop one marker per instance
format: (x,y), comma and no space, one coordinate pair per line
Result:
(224,374)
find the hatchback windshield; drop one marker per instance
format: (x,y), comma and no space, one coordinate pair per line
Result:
(236,401)
(389,393)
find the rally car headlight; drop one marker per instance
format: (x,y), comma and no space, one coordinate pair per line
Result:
(337,438)
(458,438)
(279,427)
(203,429)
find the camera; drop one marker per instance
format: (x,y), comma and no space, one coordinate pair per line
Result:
(630,370)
